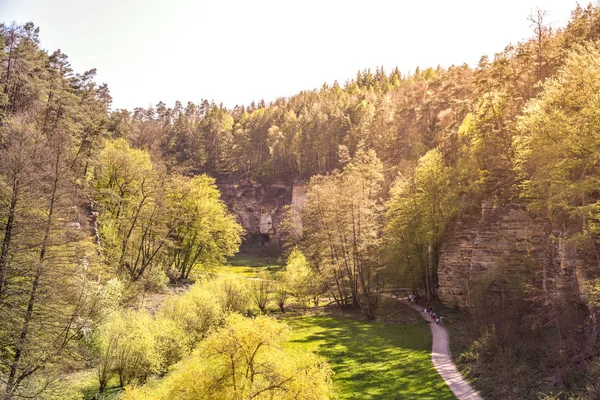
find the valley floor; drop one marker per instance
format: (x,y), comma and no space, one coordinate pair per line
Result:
(373,360)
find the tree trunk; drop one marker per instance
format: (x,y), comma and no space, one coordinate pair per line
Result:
(427,274)
(8,233)
(12,378)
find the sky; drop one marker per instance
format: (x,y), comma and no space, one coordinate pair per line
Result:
(235,52)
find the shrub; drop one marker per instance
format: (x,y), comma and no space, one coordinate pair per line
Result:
(155,280)
(301,280)
(231,293)
(261,290)
(195,312)
(245,359)
(281,294)
(125,345)
(170,342)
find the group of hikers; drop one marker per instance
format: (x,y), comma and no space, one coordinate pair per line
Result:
(431,311)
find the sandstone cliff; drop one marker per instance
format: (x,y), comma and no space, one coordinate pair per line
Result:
(259,209)
(508,241)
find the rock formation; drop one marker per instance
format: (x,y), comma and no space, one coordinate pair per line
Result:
(508,241)
(259,209)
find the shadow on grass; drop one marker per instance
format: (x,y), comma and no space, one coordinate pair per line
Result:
(373,360)
(248,270)
(244,260)
(112,392)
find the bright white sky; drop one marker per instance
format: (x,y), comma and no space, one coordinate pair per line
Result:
(238,51)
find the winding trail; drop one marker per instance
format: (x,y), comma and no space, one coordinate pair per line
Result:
(442,359)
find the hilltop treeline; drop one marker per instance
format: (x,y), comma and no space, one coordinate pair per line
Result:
(399,116)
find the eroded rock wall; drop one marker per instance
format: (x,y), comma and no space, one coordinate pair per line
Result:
(512,242)
(259,208)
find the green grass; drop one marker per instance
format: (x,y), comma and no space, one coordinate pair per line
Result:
(244,260)
(86,383)
(249,266)
(373,360)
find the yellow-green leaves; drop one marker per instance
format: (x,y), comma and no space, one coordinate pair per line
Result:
(125,345)
(203,231)
(420,208)
(559,143)
(195,311)
(150,224)
(245,359)
(341,226)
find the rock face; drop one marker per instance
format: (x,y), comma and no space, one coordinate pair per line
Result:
(259,208)
(507,242)
(298,201)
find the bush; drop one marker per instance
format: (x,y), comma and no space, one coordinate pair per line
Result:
(261,290)
(155,280)
(195,312)
(232,293)
(245,359)
(170,342)
(301,280)
(135,346)
(125,345)
(281,294)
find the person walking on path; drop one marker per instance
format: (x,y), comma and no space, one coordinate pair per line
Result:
(442,360)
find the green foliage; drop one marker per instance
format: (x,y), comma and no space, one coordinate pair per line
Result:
(297,274)
(244,359)
(134,345)
(592,292)
(125,345)
(418,212)
(146,229)
(202,231)
(341,231)
(170,341)
(400,117)
(457,136)
(281,294)
(557,151)
(47,263)
(111,295)
(128,190)
(260,290)
(195,312)
(232,294)
(303,282)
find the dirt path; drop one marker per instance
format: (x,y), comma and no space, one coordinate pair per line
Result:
(442,359)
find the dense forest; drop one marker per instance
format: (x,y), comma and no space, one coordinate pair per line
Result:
(98,206)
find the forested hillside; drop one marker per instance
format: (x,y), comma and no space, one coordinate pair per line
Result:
(99,205)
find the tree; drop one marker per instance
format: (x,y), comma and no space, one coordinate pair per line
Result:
(281,293)
(302,280)
(22,69)
(557,151)
(125,345)
(418,212)
(341,226)
(261,290)
(201,229)
(46,258)
(127,189)
(245,359)
(195,312)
